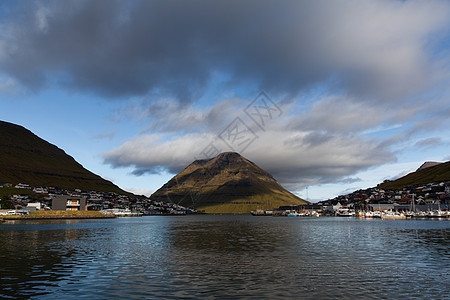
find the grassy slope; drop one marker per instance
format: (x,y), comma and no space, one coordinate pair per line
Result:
(437,173)
(26,158)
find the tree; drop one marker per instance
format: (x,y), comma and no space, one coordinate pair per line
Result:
(6,204)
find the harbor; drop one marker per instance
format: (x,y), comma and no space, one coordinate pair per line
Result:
(392,215)
(400,213)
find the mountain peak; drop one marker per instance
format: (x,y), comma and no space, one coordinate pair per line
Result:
(228,155)
(428,164)
(227,183)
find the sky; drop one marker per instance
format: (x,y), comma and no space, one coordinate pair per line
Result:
(327,96)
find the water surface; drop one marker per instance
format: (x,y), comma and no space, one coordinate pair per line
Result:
(225,256)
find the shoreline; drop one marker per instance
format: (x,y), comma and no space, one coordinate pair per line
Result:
(6,218)
(59,215)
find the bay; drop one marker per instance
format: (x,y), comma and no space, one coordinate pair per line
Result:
(225,256)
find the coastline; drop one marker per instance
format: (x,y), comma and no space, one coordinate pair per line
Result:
(59,215)
(6,218)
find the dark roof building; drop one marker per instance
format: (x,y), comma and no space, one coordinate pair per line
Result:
(64,202)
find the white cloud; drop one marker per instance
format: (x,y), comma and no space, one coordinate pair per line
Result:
(140,191)
(154,153)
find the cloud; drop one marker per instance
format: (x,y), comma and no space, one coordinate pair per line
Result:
(429,142)
(105,135)
(358,67)
(173,116)
(139,191)
(295,157)
(8,86)
(342,114)
(401,174)
(118,49)
(349,180)
(153,153)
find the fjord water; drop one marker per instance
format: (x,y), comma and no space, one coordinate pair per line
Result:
(207,256)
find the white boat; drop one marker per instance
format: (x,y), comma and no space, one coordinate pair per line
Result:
(344,212)
(368,215)
(392,215)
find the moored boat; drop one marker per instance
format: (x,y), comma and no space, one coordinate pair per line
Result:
(391,215)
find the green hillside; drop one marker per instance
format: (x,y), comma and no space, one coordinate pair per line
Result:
(440,172)
(26,158)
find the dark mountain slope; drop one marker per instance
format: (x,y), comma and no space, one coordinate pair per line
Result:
(26,158)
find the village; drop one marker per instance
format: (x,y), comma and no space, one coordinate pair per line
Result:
(430,200)
(26,199)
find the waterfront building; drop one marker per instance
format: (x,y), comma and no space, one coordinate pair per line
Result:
(35,205)
(65,202)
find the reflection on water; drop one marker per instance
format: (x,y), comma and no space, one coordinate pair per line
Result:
(225,256)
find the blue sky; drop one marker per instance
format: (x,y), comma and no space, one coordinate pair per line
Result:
(333,96)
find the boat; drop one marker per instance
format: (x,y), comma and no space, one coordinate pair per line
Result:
(392,215)
(436,214)
(368,215)
(344,212)
(261,212)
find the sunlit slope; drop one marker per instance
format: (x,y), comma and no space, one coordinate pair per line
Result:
(440,172)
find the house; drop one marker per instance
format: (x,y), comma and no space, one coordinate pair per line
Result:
(35,205)
(40,190)
(64,202)
(381,206)
(337,207)
(22,186)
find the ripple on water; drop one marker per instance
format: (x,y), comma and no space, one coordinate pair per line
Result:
(226,256)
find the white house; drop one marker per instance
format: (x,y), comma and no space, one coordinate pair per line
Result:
(36,205)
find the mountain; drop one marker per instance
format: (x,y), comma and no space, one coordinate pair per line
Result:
(436,173)
(428,164)
(26,158)
(228,183)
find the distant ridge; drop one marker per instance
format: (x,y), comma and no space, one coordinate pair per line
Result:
(428,164)
(428,174)
(26,158)
(228,183)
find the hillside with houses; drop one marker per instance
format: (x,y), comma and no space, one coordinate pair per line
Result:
(23,198)
(423,196)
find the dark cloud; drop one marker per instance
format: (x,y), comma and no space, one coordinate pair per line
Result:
(173,48)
